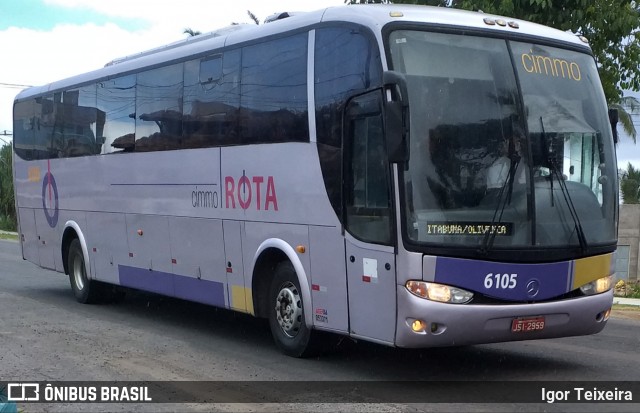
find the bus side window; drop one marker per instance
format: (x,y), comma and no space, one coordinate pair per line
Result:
(210,69)
(347,62)
(211,101)
(368,201)
(75,130)
(24,121)
(159,109)
(274,91)
(117,113)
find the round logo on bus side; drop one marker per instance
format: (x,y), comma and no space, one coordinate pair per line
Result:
(50,198)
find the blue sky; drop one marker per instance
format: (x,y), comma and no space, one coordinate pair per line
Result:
(42,41)
(627,151)
(40,15)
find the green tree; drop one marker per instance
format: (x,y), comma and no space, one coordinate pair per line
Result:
(443,3)
(191,32)
(253,17)
(612,28)
(630,185)
(627,106)
(7,201)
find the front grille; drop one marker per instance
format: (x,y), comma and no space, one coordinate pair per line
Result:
(480,299)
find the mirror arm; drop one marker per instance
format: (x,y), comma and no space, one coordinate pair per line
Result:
(396,101)
(614,118)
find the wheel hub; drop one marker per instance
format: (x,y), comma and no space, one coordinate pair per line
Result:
(78,273)
(289,309)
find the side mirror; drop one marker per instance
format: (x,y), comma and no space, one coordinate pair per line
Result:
(396,114)
(614,117)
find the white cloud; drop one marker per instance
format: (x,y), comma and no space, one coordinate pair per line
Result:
(39,57)
(203,15)
(35,57)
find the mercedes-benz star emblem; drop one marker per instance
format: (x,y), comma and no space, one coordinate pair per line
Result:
(533,288)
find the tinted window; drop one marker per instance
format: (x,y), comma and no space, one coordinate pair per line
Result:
(24,124)
(274,91)
(117,105)
(347,62)
(159,109)
(368,202)
(485,172)
(74,130)
(34,124)
(210,69)
(47,120)
(211,102)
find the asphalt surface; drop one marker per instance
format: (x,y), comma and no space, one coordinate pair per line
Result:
(45,335)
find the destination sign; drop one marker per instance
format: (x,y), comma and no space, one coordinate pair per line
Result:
(470,228)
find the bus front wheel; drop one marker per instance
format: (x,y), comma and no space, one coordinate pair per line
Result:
(85,290)
(286,313)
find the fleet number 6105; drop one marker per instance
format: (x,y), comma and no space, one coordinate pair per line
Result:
(500,281)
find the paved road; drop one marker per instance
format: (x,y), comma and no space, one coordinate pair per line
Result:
(46,335)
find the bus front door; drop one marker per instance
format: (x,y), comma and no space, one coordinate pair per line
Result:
(370,255)
(372,291)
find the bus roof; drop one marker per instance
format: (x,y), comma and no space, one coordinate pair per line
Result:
(373,16)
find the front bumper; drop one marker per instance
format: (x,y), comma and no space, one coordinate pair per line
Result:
(459,324)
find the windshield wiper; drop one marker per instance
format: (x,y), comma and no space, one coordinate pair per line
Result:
(507,186)
(565,192)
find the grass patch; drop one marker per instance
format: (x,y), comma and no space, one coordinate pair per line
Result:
(12,237)
(8,224)
(626,307)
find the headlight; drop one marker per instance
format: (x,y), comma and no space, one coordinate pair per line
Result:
(438,292)
(598,286)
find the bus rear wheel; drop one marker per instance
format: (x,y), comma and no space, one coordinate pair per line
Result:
(286,313)
(85,290)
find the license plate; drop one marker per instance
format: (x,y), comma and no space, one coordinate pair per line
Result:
(522,325)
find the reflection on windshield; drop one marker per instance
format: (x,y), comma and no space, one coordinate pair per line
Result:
(481,171)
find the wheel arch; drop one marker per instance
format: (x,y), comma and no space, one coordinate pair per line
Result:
(72,230)
(271,252)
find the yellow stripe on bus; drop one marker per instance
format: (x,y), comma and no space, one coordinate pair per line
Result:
(589,269)
(241,299)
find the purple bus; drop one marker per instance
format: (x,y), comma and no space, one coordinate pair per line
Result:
(410,176)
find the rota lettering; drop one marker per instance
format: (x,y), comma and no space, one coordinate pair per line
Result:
(248,192)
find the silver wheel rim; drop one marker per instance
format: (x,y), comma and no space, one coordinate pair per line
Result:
(78,272)
(289,309)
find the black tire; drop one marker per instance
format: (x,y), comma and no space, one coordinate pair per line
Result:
(85,290)
(286,314)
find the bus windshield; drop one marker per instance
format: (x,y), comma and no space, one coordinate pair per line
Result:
(510,145)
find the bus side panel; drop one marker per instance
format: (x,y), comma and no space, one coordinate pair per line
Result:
(48,241)
(328,278)
(149,264)
(372,290)
(29,235)
(255,233)
(197,251)
(80,219)
(107,244)
(239,296)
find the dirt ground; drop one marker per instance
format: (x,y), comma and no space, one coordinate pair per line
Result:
(628,312)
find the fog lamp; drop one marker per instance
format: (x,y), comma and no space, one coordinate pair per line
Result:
(418,326)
